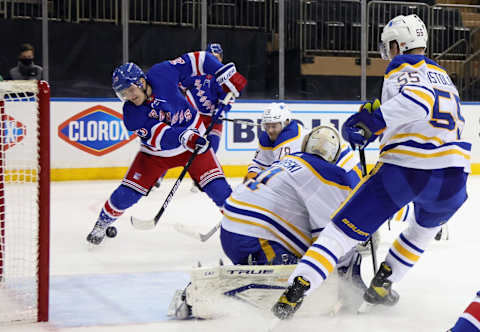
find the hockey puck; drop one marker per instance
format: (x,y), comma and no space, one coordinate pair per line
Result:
(111,231)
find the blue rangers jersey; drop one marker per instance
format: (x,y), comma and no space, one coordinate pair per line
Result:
(167,114)
(422,110)
(204,92)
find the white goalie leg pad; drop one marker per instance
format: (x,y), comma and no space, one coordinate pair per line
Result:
(225,290)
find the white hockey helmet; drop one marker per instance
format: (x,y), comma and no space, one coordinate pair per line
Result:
(323,141)
(408,31)
(274,113)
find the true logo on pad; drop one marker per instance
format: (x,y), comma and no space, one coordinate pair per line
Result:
(97,130)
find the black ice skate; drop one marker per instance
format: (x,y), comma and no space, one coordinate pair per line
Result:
(380,290)
(291,299)
(98,232)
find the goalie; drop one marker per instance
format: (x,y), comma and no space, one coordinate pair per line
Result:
(274,218)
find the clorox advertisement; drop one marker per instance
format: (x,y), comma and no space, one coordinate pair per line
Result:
(97,130)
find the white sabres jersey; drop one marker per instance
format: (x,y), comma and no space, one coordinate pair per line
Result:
(422,110)
(290,141)
(290,202)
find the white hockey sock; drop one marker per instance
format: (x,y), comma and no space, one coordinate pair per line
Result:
(407,249)
(322,257)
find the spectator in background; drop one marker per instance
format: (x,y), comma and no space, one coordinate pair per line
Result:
(26,69)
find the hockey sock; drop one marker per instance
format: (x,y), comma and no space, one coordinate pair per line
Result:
(407,249)
(122,198)
(470,319)
(322,257)
(214,140)
(218,190)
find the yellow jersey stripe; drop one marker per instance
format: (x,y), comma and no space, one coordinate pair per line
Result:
(328,182)
(305,237)
(408,135)
(346,160)
(437,68)
(398,216)
(403,65)
(267,249)
(321,259)
(358,171)
(427,155)
(268,229)
(404,252)
(422,95)
(362,181)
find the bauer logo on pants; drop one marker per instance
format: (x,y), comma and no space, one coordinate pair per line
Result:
(97,130)
(15,131)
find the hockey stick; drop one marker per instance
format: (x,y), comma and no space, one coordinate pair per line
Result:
(363,163)
(184,229)
(247,123)
(151,223)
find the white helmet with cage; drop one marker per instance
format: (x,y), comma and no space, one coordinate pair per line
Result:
(275,113)
(323,141)
(408,31)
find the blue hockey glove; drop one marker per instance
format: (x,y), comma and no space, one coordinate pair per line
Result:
(191,138)
(363,127)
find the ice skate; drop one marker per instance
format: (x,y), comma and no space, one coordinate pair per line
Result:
(380,290)
(291,299)
(179,308)
(98,232)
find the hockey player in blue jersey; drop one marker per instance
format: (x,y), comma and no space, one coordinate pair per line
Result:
(423,159)
(169,128)
(205,94)
(469,321)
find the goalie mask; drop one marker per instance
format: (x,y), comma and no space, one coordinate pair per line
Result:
(275,117)
(408,31)
(323,141)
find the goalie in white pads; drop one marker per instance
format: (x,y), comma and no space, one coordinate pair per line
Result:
(274,218)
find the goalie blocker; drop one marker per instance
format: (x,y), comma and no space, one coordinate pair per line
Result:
(219,291)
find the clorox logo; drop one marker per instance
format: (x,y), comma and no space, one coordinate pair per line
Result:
(97,130)
(15,132)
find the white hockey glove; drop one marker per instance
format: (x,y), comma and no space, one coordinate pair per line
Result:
(230,80)
(191,138)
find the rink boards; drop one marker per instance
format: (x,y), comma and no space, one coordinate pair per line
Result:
(89,140)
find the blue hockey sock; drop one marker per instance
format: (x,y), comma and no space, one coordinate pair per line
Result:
(218,190)
(122,198)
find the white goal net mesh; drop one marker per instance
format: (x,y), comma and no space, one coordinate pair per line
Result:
(19,210)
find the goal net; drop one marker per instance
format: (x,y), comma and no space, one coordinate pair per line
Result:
(24,200)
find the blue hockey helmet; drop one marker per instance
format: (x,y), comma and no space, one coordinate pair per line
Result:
(215,48)
(125,76)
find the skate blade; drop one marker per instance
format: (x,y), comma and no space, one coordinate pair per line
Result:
(365,307)
(175,303)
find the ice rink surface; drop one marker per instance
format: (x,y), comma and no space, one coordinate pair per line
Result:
(127,283)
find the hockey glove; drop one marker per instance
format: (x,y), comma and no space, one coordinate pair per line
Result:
(191,138)
(363,127)
(230,80)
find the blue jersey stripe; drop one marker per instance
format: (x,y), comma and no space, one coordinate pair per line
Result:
(313,266)
(269,220)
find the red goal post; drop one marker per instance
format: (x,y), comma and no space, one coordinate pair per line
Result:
(24,200)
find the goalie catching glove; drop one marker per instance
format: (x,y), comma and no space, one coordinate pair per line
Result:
(230,80)
(191,139)
(365,126)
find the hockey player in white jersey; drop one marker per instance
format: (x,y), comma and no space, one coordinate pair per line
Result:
(274,218)
(423,159)
(282,135)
